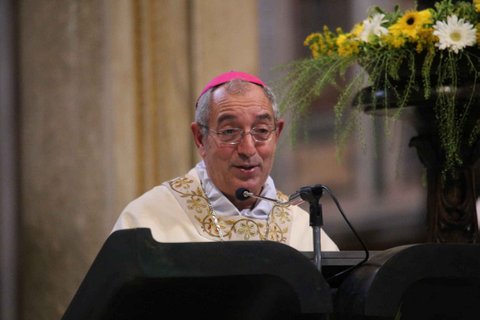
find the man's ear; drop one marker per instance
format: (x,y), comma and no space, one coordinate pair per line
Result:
(198,137)
(280,124)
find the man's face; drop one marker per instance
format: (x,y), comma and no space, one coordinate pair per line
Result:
(247,164)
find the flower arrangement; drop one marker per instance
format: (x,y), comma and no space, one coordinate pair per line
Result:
(401,53)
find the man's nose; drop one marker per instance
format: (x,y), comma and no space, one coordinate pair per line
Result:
(246,146)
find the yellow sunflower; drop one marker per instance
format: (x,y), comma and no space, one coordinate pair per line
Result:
(411,23)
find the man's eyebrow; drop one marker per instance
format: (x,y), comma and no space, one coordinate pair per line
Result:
(230,117)
(226,117)
(265,116)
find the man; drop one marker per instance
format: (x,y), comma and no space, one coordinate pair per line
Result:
(236,130)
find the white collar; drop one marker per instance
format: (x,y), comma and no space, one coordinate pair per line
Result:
(223,207)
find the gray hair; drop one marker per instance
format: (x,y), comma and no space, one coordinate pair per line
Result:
(235,86)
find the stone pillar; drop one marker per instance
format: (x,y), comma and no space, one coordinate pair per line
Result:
(107,95)
(68,178)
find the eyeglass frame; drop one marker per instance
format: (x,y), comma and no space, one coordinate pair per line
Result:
(242,132)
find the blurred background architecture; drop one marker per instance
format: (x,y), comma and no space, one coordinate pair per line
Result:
(96,98)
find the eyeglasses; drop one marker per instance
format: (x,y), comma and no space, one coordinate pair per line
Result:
(234,135)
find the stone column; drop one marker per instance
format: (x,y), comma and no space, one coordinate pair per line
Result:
(68,133)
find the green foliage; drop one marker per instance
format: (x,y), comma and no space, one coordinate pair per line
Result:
(418,55)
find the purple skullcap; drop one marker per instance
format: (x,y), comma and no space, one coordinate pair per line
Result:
(228,76)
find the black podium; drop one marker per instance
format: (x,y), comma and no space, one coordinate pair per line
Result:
(135,277)
(423,281)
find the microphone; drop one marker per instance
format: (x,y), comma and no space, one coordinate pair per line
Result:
(243,194)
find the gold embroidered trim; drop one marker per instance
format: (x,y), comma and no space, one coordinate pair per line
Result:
(232,227)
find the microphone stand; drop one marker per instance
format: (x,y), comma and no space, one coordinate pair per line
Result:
(312,195)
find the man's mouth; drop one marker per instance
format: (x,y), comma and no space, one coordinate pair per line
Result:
(246,168)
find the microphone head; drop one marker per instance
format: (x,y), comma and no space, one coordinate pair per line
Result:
(242,194)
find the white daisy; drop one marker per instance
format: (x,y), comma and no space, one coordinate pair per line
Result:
(373,26)
(454,35)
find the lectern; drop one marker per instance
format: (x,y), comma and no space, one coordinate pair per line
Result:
(422,281)
(135,277)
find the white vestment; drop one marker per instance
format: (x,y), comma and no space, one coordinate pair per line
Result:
(179,211)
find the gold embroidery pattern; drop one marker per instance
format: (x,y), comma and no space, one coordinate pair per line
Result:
(280,214)
(235,227)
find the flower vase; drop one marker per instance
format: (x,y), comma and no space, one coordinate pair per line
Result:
(451,193)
